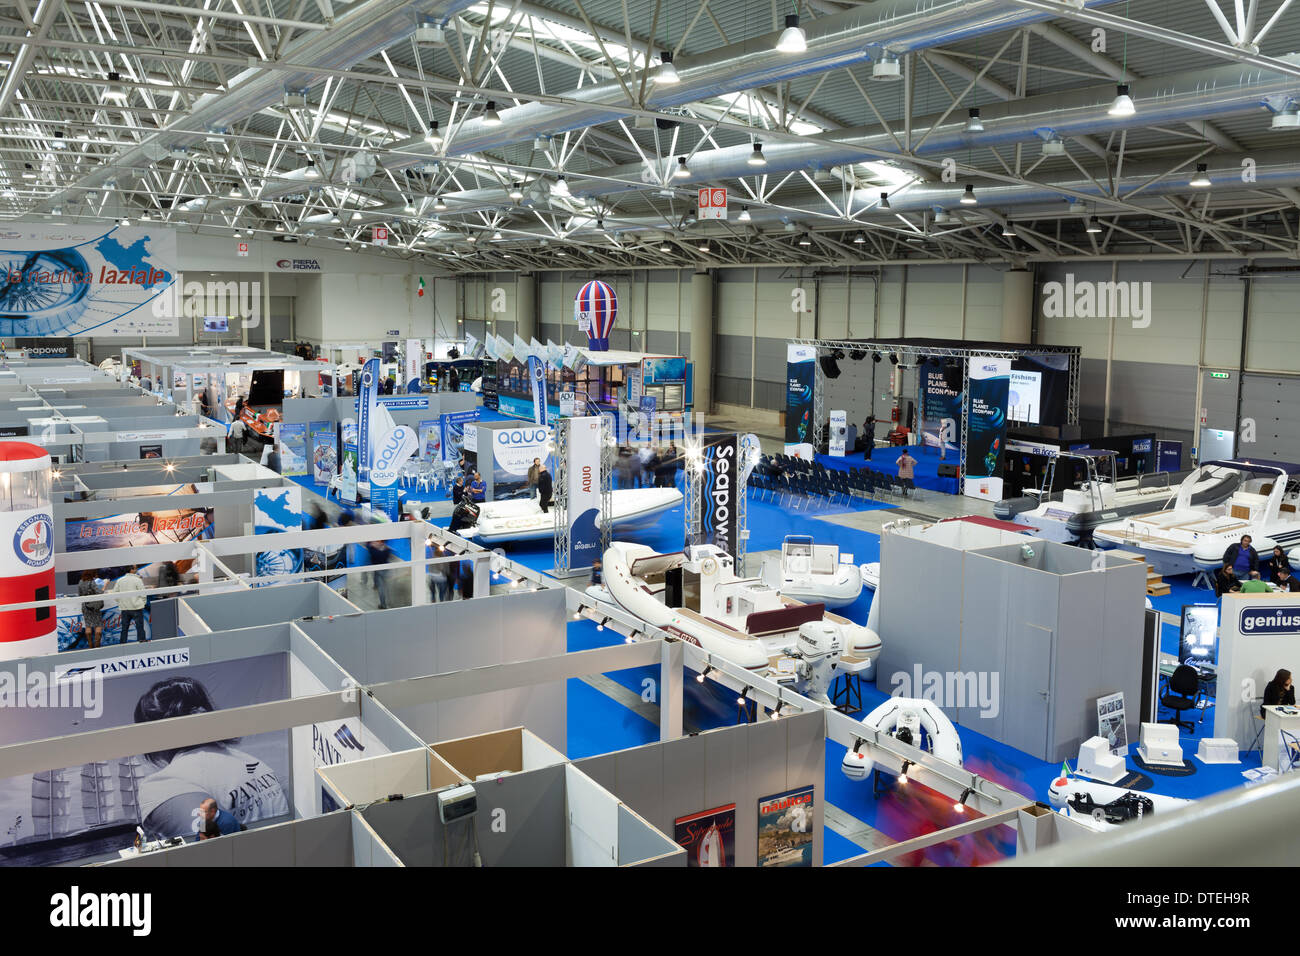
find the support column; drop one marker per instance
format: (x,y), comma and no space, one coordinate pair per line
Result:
(702,329)
(526,306)
(1017,306)
(266,310)
(671,689)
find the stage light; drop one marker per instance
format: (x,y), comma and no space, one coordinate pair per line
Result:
(700,677)
(893,358)
(743,699)
(603,622)
(960,805)
(875,357)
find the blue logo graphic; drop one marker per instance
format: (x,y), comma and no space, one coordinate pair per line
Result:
(32,541)
(1258,620)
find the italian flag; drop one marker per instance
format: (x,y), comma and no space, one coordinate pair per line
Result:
(420,290)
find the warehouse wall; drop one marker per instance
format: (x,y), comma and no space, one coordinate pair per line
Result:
(1145,376)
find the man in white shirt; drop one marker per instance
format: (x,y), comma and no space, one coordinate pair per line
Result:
(132,602)
(237,432)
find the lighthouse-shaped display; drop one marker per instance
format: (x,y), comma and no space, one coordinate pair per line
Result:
(26,552)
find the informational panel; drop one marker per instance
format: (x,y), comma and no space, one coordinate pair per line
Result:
(583,470)
(459,433)
(64,280)
(800,374)
(513,453)
(839,425)
(709,837)
(324,452)
(414,364)
(785,825)
(663,370)
(1198,635)
(986,426)
(1110,722)
(293,448)
(276,510)
(393,450)
(719,486)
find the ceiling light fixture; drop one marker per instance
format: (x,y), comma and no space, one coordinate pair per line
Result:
(1008,230)
(1093,225)
(667,72)
(884,201)
(968,197)
(744,214)
(434,136)
(1202,178)
(1123,105)
(490,115)
(561,187)
(1078,206)
(805,239)
(439,204)
(703,675)
(1288,118)
(860,238)
(683,171)
(756,157)
(517,191)
(792,39)
(886,69)
(974,124)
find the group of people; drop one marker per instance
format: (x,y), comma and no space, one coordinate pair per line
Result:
(648,467)
(1244,571)
(132,602)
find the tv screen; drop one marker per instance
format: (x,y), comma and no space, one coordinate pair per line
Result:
(216,323)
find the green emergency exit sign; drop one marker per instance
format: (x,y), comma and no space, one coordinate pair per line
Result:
(1218,375)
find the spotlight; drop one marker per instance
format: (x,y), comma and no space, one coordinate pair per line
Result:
(902,775)
(631,638)
(756,157)
(793,39)
(603,622)
(490,115)
(667,72)
(875,357)
(973,123)
(1123,105)
(776,712)
(968,197)
(743,699)
(700,677)
(960,805)
(893,358)
(682,171)
(577,615)
(1202,178)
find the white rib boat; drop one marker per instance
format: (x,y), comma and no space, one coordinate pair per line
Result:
(522,519)
(813,572)
(1186,538)
(697,597)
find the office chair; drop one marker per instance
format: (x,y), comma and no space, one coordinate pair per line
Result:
(1182,692)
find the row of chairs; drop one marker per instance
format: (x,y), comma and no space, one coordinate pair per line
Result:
(799,485)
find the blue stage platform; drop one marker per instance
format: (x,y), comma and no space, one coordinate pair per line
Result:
(883,460)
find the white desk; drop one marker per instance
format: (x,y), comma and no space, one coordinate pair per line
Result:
(1271,752)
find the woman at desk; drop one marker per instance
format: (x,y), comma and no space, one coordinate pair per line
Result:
(1279,691)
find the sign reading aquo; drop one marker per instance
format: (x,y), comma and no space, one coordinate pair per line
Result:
(521,436)
(594,309)
(1259,620)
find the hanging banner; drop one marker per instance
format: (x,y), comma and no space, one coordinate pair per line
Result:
(293,448)
(718,490)
(276,510)
(537,377)
(785,828)
(63,280)
(324,451)
(583,468)
(414,364)
(459,434)
(367,397)
(393,450)
(986,426)
(800,375)
(941,406)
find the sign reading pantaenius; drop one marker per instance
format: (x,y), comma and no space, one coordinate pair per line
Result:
(718,490)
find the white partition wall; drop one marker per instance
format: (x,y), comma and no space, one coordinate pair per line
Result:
(1258,635)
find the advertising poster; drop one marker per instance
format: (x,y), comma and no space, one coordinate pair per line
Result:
(1110,722)
(459,433)
(414,363)
(66,814)
(276,510)
(584,491)
(718,491)
(663,369)
(430,432)
(62,280)
(537,377)
(839,422)
(151,451)
(367,396)
(709,837)
(785,828)
(348,473)
(800,375)
(513,451)
(324,452)
(293,448)
(1198,636)
(941,410)
(986,426)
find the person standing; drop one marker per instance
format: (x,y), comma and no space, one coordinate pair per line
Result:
(466,580)
(235,438)
(644,471)
(545,489)
(477,488)
(906,466)
(92,612)
(132,601)
(1243,557)
(533,471)
(380,554)
(868,436)
(458,490)
(1276,562)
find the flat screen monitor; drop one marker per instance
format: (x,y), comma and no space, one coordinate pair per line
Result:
(216,323)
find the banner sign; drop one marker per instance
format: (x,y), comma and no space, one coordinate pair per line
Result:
(293,449)
(392,451)
(986,426)
(718,490)
(367,395)
(513,451)
(839,422)
(429,431)
(459,433)
(324,452)
(584,491)
(537,376)
(663,369)
(414,364)
(709,837)
(348,476)
(47,348)
(712,202)
(941,407)
(785,828)
(398,404)
(800,375)
(60,280)
(276,510)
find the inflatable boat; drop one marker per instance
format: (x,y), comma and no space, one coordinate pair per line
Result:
(812,572)
(522,519)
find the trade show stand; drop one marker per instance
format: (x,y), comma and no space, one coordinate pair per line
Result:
(1258,635)
(1055,626)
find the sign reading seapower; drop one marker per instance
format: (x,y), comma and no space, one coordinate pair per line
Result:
(718,490)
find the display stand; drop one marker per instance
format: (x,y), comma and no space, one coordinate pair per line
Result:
(560,502)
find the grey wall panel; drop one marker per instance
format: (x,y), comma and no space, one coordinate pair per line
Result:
(983,645)
(603,769)
(682,784)
(363,842)
(342,638)
(1160,396)
(769,359)
(766,775)
(410,827)
(770,395)
(665,343)
(1219,399)
(323,841)
(731,354)
(204,853)
(731,391)
(1270,402)
(920,632)
(806,764)
(535,832)
(267,846)
(638,841)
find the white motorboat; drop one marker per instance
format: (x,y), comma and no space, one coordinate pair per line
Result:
(1186,538)
(522,519)
(813,572)
(696,596)
(1072,514)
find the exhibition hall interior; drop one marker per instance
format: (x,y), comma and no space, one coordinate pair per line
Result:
(578,433)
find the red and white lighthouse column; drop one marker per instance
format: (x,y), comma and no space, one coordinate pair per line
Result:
(26,552)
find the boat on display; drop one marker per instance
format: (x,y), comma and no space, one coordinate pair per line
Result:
(1073,514)
(914,721)
(813,572)
(696,596)
(1187,538)
(522,519)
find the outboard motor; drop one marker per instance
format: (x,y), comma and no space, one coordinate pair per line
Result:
(818,649)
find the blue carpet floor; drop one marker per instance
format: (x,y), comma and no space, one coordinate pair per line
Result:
(885,460)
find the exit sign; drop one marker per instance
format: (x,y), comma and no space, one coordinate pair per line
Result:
(1219,375)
